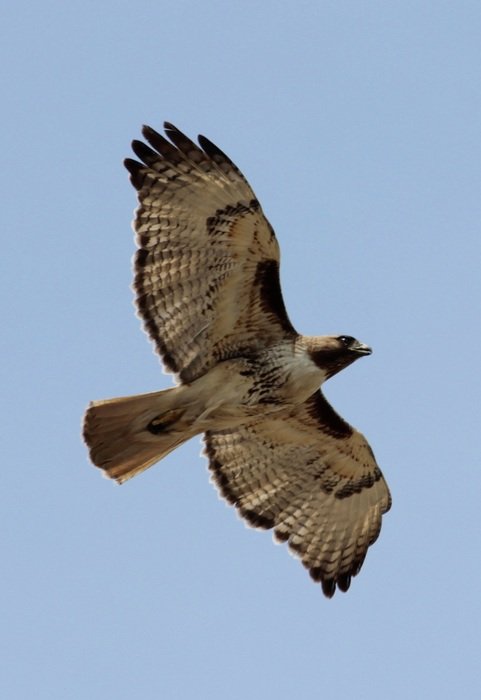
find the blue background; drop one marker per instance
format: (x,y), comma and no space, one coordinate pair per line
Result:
(358,126)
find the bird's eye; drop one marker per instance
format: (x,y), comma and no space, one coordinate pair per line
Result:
(346,340)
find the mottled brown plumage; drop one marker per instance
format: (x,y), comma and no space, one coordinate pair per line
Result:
(208,292)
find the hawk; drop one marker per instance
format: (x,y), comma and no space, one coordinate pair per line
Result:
(207,289)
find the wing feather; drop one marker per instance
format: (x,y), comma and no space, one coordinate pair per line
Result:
(207,269)
(311,477)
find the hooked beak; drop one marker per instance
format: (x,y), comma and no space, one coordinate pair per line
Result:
(360,348)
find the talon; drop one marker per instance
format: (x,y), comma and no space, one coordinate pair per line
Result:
(161,423)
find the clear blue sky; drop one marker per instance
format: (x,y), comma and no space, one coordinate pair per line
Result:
(358,125)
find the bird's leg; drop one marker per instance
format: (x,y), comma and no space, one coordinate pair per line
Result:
(164,421)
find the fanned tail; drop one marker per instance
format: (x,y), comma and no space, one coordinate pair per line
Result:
(127,435)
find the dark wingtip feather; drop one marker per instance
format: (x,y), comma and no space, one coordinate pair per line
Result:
(142,151)
(174,133)
(137,172)
(168,126)
(343,582)
(159,142)
(328,584)
(185,145)
(148,131)
(328,587)
(213,151)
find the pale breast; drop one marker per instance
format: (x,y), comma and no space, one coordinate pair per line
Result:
(283,374)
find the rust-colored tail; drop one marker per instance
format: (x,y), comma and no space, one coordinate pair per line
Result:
(127,435)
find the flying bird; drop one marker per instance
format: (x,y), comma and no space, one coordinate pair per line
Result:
(207,289)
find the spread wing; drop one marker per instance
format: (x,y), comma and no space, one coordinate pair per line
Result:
(312,478)
(207,268)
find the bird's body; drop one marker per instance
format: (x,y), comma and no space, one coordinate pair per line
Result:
(207,284)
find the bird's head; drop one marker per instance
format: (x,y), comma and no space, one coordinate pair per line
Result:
(332,353)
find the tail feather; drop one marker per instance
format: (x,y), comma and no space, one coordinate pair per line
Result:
(127,435)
